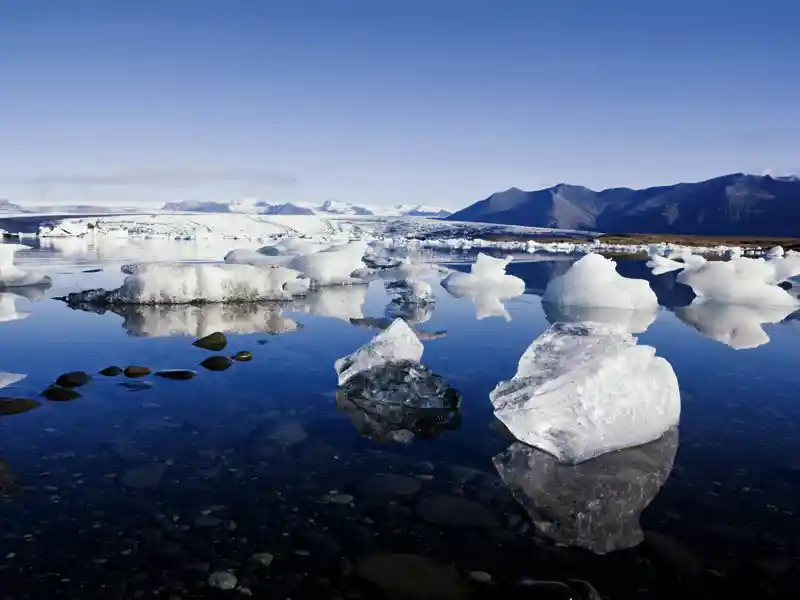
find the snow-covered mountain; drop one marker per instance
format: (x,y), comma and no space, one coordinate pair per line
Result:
(327,208)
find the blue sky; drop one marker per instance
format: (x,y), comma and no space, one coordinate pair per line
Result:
(383,101)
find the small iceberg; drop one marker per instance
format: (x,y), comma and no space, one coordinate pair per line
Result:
(398,342)
(736,325)
(7,379)
(332,266)
(582,390)
(197,284)
(12,276)
(593,281)
(487,285)
(595,505)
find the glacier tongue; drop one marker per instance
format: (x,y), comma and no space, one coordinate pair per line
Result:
(396,343)
(585,389)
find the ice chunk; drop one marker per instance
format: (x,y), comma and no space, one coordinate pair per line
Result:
(332,266)
(398,401)
(776,252)
(593,281)
(585,389)
(7,379)
(736,325)
(661,265)
(198,283)
(242,256)
(751,281)
(398,342)
(294,246)
(630,321)
(487,284)
(8,309)
(595,505)
(12,276)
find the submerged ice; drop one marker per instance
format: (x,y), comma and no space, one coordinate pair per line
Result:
(582,390)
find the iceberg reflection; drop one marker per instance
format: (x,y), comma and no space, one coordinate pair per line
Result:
(595,505)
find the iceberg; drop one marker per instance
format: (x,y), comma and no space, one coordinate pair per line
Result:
(332,266)
(12,276)
(593,281)
(399,401)
(660,265)
(198,283)
(487,285)
(7,379)
(582,390)
(736,325)
(8,309)
(398,342)
(595,505)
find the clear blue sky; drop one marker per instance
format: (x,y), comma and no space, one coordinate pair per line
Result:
(389,101)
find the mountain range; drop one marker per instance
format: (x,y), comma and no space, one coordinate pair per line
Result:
(327,208)
(736,204)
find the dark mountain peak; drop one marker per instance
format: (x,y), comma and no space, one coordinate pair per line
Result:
(732,204)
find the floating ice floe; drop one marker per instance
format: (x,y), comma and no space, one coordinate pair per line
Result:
(398,342)
(7,379)
(595,505)
(332,266)
(8,309)
(487,284)
(12,276)
(198,283)
(582,390)
(739,326)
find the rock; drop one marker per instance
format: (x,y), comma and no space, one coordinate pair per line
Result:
(455,512)
(243,356)
(176,374)
(111,371)
(222,580)
(412,576)
(215,342)
(144,476)
(216,363)
(16,406)
(56,393)
(389,484)
(480,576)
(73,379)
(263,558)
(136,371)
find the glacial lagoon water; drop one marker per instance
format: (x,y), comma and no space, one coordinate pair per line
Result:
(151,488)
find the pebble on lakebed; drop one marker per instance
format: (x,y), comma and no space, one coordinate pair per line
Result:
(176,374)
(215,342)
(112,371)
(17,406)
(136,371)
(73,379)
(216,363)
(57,393)
(222,580)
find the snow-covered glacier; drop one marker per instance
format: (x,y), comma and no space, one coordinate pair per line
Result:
(582,390)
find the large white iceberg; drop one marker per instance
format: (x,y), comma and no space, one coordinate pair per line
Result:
(593,281)
(12,276)
(332,266)
(398,342)
(739,326)
(199,283)
(585,389)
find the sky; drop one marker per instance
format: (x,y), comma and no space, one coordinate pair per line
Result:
(439,102)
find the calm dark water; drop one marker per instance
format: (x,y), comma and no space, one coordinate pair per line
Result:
(143,490)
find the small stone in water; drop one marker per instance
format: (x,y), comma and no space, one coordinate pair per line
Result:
(222,580)
(111,371)
(263,558)
(480,576)
(215,342)
(216,363)
(56,393)
(243,356)
(73,379)
(176,374)
(136,371)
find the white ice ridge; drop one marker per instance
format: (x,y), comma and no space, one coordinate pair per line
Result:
(7,379)
(187,283)
(593,281)
(13,276)
(487,280)
(332,266)
(397,342)
(582,390)
(8,309)
(736,325)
